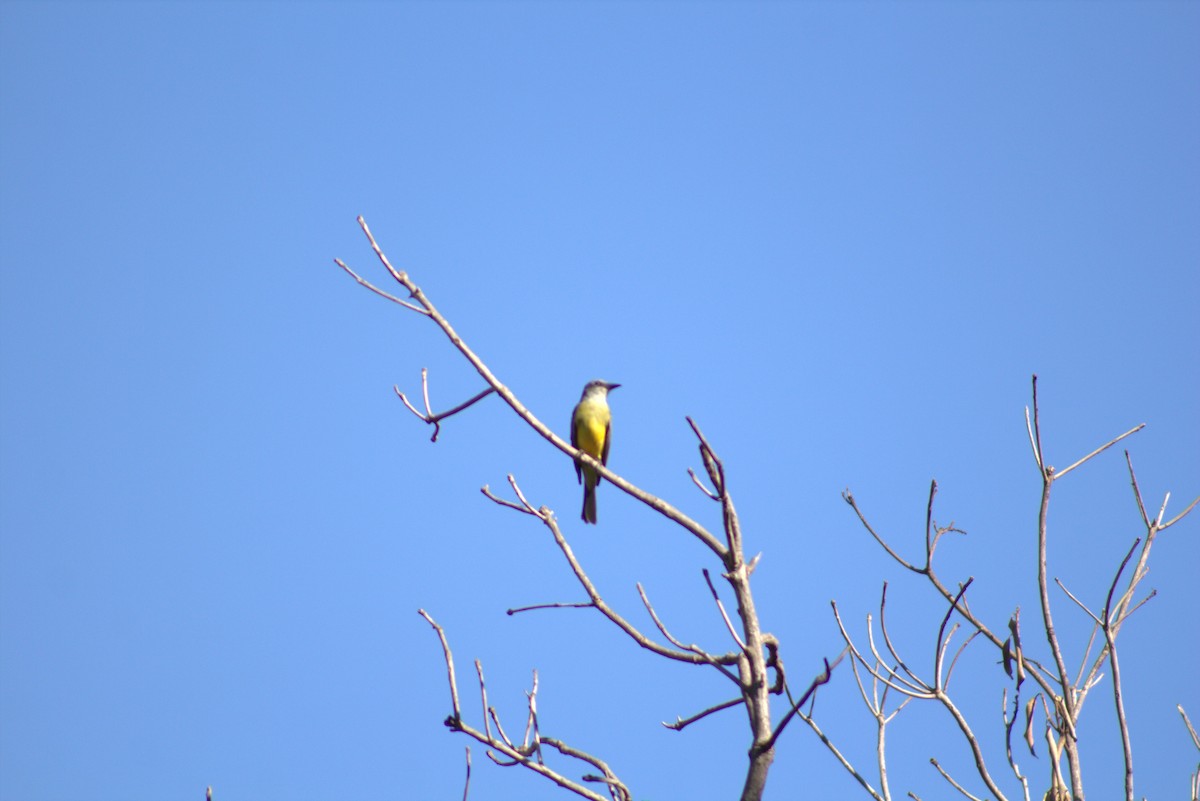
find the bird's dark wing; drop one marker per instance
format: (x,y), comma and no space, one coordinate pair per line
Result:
(607,442)
(575,444)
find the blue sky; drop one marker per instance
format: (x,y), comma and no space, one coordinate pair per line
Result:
(840,236)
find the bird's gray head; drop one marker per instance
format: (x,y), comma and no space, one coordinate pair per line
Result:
(598,387)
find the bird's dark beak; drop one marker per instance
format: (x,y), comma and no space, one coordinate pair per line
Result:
(613,386)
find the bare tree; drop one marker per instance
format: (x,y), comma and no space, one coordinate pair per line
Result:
(753,664)
(1060,694)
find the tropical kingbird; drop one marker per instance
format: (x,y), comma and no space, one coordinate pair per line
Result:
(590,428)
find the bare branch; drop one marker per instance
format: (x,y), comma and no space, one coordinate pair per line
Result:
(821,678)
(436,419)
(609,777)
(449,663)
(849,498)
(887,678)
(467,783)
(704,489)
(712,465)
(837,754)
(1081,605)
(887,638)
(1100,450)
(608,612)
(1162,511)
(512,482)
(503,735)
(1137,492)
(655,503)
(962,648)
(377,290)
(942,640)
(519,609)
(929,543)
(953,783)
(718,662)
(1181,515)
(1188,723)
(1113,587)
(517,755)
(1067,696)
(681,723)
(1037,457)
(487,725)
(724,615)
(1037,432)
(526,509)
(1009,722)
(518,758)
(1118,699)
(1030,666)
(973,743)
(531,724)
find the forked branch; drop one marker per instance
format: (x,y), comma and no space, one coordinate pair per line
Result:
(528,754)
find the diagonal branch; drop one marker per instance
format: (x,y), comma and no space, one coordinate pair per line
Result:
(681,723)
(449,663)
(428,309)
(724,615)
(1100,450)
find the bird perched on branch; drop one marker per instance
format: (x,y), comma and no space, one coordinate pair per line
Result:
(591,425)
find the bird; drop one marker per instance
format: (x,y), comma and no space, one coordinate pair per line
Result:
(591,425)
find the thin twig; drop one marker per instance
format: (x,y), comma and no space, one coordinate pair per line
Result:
(500,730)
(704,489)
(1118,700)
(531,725)
(428,416)
(1181,515)
(1188,723)
(1082,606)
(377,290)
(590,589)
(953,783)
(681,723)
(487,725)
(1037,430)
(724,615)
(610,778)
(1137,492)
(887,638)
(712,659)
(942,640)
(1162,510)
(449,662)
(467,783)
(929,543)
(519,609)
(523,509)
(837,754)
(849,498)
(1099,450)
(973,743)
(1037,457)
(957,654)
(1031,666)
(821,678)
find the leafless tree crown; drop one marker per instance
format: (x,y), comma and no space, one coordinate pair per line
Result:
(887,682)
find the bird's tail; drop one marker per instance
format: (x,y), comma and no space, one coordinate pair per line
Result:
(589,498)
